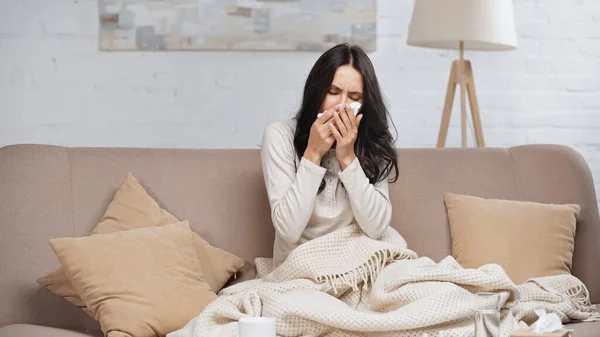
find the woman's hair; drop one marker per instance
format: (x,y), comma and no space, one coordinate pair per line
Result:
(374,145)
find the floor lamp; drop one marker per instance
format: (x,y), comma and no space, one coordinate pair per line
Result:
(485,25)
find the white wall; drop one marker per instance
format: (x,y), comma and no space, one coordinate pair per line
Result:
(57,88)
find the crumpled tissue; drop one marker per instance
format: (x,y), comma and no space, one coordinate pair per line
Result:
(355,106)
(546,322)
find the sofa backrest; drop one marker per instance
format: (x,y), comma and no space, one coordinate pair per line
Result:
(50,191)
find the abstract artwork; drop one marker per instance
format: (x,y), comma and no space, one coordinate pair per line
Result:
(279,25)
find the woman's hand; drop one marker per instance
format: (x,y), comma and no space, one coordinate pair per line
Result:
(320,138)
(345,130)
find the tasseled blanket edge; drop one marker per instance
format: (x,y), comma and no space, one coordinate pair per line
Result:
(580,298)
(365,273)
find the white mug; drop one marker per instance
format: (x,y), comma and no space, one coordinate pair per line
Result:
(256,327)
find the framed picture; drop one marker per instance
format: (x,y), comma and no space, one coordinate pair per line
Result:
(278,25)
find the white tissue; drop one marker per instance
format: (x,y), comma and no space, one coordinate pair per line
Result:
(546,322)
(355,106)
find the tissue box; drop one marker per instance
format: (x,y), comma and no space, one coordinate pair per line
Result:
(527,332)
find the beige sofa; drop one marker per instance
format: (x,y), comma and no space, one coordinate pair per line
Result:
(50,191)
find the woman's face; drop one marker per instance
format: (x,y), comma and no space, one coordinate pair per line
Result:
(347,87)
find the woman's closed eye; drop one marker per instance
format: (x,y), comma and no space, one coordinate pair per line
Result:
(354,97)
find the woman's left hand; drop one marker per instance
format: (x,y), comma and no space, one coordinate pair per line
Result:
(345,131)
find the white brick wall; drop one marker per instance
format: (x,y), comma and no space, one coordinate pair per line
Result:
(57,88)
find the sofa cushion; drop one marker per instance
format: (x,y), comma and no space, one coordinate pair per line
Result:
(527,239)
(133,208)
(141,282)
(29,330)
(584,329)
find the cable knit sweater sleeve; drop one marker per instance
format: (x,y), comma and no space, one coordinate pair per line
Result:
(292,194)
(370,202)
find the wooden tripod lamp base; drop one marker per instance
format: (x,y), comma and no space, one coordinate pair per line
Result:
(461,74)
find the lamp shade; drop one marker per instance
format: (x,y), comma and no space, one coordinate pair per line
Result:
(480,24)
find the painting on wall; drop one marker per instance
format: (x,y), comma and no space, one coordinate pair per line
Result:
(280,25)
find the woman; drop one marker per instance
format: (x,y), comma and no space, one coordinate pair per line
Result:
(327,168)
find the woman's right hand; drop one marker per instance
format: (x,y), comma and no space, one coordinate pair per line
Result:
(321,138)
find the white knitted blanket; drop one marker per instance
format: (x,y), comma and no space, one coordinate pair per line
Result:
(346,284)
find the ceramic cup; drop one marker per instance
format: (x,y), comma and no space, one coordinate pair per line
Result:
(256,327)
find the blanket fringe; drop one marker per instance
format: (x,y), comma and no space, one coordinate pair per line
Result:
(580,298)
(365,273)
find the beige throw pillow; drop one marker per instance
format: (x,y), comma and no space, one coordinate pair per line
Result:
(142,282)
(133,208)
(527,239)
